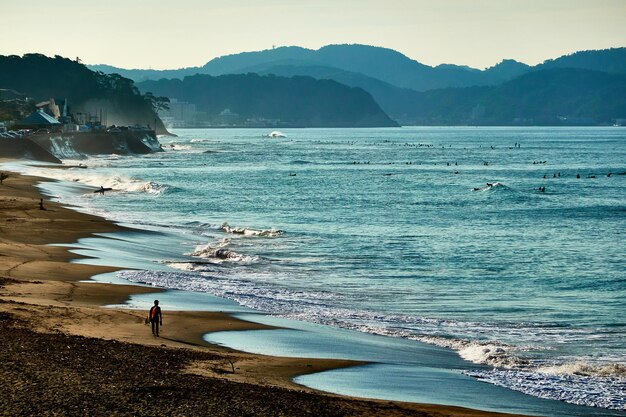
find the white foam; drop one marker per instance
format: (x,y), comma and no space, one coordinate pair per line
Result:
(251,232)
(183,266)
(63,149)
(576,389)
(585,369)
(177,147)
(218,252)
(97,180)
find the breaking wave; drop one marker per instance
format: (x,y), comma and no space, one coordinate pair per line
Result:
(495,354)
(86,177)
(607,392)
(176,147)
(124,184)
(585,369)
(251,232)
(218,252)
(492,186)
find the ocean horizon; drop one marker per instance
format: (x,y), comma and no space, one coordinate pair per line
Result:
(499,248)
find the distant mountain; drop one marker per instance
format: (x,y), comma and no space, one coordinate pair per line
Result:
(42,78)
(607,60)
(384,64)
(139,75)
(255,100)
(401,85)
(545,97)
(508,69)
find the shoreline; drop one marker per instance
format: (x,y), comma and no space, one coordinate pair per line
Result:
(41,291)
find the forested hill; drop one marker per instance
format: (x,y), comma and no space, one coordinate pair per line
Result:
(611,60)
(255,100)
(40,77)
(549,97)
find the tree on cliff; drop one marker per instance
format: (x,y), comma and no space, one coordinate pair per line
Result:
(157,103)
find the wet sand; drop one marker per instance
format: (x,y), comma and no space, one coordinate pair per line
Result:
(62,353)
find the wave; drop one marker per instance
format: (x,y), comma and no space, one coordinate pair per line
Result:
(608,392)
(492,186)
(496,354)
(219,252)
(155,188)
(177,147)
(122,184)
(585,369)
(251,232)
(90,178)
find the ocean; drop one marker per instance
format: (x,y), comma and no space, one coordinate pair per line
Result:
(504,246)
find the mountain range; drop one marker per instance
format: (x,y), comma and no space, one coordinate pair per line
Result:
(409,91)
(383,64)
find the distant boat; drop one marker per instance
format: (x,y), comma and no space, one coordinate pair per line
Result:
(277,134)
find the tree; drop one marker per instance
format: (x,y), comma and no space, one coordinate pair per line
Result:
(157,103)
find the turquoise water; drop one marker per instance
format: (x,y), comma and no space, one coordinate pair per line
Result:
(395,232)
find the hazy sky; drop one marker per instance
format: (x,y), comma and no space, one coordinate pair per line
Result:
(177,33)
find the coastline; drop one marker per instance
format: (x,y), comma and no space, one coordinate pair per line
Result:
(42,294)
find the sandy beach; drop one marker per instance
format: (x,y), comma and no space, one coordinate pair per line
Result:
(62,353)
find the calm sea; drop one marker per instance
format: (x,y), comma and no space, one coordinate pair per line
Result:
(396,232)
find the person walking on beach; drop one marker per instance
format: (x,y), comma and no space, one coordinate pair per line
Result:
(156,318)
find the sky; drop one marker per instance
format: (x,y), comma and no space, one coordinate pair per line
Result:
(162,34)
